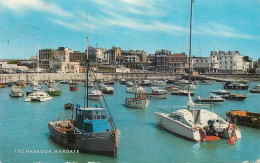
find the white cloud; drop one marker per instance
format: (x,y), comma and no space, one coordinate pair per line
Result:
(69,25)
(221,30)
(36,5)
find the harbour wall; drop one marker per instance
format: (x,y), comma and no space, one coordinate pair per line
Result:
(117,76)
(81,76)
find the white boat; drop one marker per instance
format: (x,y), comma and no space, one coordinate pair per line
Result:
(129,84)
(122,81)
(108,90)
(197,124)
(158,83)
(38,96)
(64,82)
(16,91)
(135,90)
(146,83)
(182,82)
(95,95)
(192,87)
(221,92)
(171,88)
(52,84)
(158,93)
(212,99)
(140,101)
(193,122)
(34,82)
(90,84)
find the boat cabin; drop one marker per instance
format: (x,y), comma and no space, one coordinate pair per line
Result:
(92,120)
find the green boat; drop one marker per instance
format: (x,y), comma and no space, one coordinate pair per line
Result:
(54,91)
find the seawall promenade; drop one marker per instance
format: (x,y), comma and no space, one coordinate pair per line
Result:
(117,76)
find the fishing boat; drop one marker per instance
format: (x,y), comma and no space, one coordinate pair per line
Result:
(38,96)
(146,83)
(68,106)
(182,93)
(108,90)
(54,91)
(193,121)
(122,81)
(140,101)
(135,90)
(92,131)
(158,83)
(221,92)
(212,99)
(255,89)
(73,86)
(16,91)
(158,93)
(244,118)
(129,84)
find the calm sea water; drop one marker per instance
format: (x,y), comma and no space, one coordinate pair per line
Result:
(24,126)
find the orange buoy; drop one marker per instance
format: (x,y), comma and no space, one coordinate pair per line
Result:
(232,140)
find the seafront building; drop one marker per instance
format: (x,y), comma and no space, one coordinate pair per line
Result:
(201,64)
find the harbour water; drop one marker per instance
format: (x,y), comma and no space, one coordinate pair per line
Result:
(24,128)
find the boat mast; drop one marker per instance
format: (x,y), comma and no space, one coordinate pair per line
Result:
(189,97)
(236,77)
(86,68)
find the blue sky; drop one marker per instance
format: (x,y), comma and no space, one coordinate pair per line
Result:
(148,25)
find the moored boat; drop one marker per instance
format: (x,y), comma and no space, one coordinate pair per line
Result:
(122,81)
(54,91)
(236,97)
(182,93)
(20,83)
(16,91)
(158,83)
(108,90)
(129,84)
(68,106)
(135,90)
(146,83)
(95,95)
(73,86)
(3,85)
(64,82)
(255,89)
(244,118)
(235,85)
(158,93)
(38,96)
(171,88)
(221,92)
(140,101)
(212,99)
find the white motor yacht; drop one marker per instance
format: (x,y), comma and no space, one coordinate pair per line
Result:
(95,95)
(158,83)
(129,84)
(212,99)
(146,83)
(38,96)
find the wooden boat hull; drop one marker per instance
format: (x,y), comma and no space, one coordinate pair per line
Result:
(244,118)
(73,88)
(54,93)
(99,143)
(137,103)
